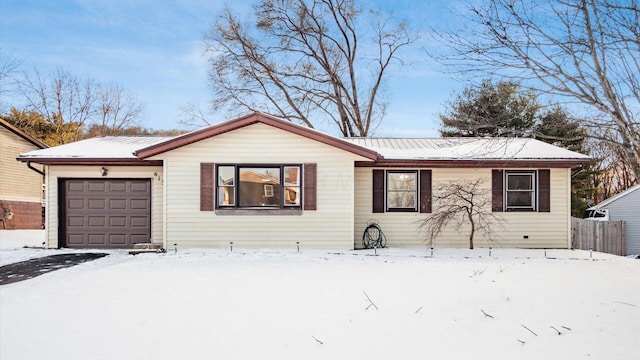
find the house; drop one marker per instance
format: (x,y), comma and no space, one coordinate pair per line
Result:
(262,182)
(623,206)
(21,192)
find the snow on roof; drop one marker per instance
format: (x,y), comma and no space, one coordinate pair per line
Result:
(107,147)
(615,197)
(466,148)
(124,147)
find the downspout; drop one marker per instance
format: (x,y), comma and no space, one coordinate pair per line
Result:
(34,169)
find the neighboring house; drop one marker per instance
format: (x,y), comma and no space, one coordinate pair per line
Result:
(225,183)
(21,191)
(623,206)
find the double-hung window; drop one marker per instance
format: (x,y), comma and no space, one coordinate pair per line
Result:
(402,191)
(258,186)
(520,190)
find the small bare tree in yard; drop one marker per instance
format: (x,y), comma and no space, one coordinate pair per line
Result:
(307,61)
(460,203)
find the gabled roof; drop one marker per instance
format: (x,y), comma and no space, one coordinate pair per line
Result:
(37,143)
(251,119)
(398,152)
(616,197)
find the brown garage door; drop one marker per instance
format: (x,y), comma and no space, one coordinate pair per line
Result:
(105,213)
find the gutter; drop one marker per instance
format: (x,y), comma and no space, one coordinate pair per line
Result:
(34,169)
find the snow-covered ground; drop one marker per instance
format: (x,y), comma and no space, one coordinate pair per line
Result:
(11,239)
(246,304)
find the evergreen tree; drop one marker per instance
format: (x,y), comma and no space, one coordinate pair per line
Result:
(494,110)
(501,110)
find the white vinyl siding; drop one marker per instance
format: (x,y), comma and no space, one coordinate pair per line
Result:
(544,230)
(627,208)
(330,226)
(86,172)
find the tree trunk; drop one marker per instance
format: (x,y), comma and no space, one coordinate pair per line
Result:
(473,229)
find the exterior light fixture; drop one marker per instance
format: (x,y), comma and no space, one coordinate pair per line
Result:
(103,171)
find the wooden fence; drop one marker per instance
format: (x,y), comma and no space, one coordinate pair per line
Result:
(602,236)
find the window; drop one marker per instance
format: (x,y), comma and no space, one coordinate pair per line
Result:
(291,186)
(520,190)
(226,185)
(258,186)
(402,189)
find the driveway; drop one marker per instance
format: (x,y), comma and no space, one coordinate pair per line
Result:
(28,269)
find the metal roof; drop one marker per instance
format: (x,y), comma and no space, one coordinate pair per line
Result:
(125,147)
(466,148)
(106,147)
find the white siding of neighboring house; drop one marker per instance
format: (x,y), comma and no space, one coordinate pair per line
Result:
(544,230)
(17,181)
(627,208)
(330,226)
(53,173)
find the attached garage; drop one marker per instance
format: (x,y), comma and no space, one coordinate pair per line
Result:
(104,213)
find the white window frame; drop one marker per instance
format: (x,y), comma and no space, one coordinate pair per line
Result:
(268,190)
(415,191)
(534,190)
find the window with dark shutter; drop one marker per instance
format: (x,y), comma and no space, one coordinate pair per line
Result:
(425,191)
(378,191)
(497,191)
(544,191)
(310,179)
(206,187)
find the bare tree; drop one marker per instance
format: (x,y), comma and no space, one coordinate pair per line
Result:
(614,174)
(8,70)
(460,203)
(585,50)
(74,106)
(193,115)
(62,98)
(306,61)
(116,110)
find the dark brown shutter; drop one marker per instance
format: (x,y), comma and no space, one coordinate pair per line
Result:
(378,191)
(497,191)
(544,191)
(425,191)
(207,187)
(310,176)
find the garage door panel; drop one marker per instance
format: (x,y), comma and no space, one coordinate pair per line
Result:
(75,239)
(75,204)
(75,221)
(117,221)
(97,239)
(111,213)
(138,238)
(139,221)
(97,204)
(75,185)
(96,221)
(140,204)
(117,204)
(118,239)
(117,186)
(96,186)
(140,187)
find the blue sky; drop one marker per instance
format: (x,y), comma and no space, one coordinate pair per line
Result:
(154,49)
